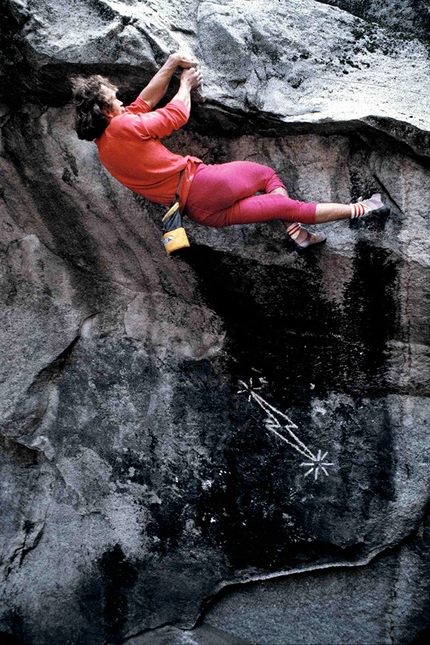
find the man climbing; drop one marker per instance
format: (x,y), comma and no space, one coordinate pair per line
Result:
(129,145)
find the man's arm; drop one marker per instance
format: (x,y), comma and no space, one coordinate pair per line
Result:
(190,79)
(157,86)
(161,122)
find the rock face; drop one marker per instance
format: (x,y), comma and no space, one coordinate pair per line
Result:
(147,482)
(409,17)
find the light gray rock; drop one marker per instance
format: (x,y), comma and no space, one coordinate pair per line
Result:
(204,635)
(312,64)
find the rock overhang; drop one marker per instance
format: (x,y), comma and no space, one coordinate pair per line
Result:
(312,64)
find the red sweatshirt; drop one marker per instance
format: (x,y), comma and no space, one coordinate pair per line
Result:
(131,150)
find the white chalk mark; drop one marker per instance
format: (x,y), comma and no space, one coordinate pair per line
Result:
(271,427)
(318,465)
(275,423)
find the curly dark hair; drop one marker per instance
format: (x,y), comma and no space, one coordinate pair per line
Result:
(91,98)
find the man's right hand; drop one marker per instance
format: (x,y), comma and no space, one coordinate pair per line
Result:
(191,78)
(157,86)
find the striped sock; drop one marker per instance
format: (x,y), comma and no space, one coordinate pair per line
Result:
(373,204)
(358,210)
(294,230)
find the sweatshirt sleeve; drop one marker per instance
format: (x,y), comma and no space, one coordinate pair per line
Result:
(139,106)
(161,123)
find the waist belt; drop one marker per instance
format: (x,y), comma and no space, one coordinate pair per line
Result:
(174,236)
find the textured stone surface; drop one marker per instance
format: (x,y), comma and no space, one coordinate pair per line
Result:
(406,17)
(136,482)
(357,606)
(204,635)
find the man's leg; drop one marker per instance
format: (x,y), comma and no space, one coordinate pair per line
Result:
(331,212)
(263,208)
(217,188)
(301,236)
(223,195)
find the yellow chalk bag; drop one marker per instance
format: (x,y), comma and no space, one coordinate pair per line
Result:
(174,236)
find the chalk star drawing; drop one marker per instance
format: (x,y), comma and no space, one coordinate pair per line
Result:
(277,421)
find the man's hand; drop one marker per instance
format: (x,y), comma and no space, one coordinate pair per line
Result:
(157,87)
(191,78)
(182,60)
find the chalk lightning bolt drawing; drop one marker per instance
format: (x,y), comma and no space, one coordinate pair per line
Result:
(278,421)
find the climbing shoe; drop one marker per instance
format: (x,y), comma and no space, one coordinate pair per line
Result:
(372,206)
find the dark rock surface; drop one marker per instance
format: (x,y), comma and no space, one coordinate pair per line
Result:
(406,17)
(359,605)
(140,492)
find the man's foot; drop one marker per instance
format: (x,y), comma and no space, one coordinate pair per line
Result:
(304,238)
(372,206)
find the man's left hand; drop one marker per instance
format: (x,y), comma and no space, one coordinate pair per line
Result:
(182,60)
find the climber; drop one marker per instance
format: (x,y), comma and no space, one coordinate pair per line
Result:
(129,146)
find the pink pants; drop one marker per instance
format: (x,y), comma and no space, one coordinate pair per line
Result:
(224,194)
